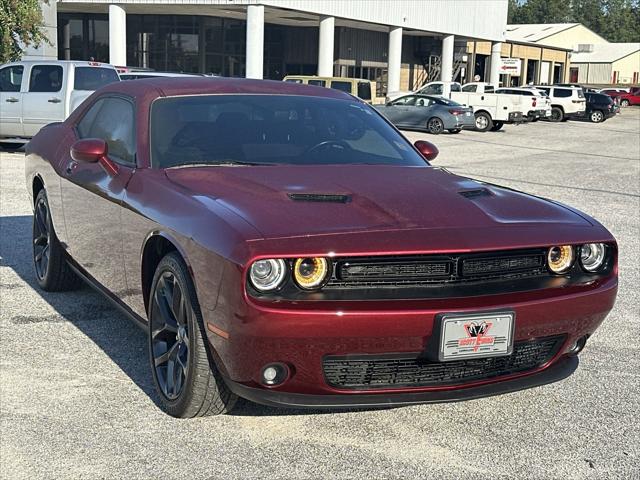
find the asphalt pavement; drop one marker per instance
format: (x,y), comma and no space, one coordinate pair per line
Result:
(76,398)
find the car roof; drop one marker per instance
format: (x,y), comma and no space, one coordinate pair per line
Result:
(180,86)
(77,63)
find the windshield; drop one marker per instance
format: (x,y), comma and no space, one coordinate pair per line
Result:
(273,129)
(92,78)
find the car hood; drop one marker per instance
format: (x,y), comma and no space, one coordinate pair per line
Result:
(288,201)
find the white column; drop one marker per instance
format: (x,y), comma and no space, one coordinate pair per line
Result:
(117,35)
(395,59)
(255,41)
(325,46)
(494,76)
(446,60)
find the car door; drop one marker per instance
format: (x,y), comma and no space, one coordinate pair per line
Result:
(419,112)
(397,111)
(92,197)
(11,79)
(43,102)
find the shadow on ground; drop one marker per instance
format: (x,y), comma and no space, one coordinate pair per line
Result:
(116,335)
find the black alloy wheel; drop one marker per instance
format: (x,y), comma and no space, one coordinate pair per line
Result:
(53,273)
(41,238)
(557,114)
(170,335)
(186,377)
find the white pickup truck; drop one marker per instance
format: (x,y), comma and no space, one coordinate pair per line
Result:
(491,111)
(35,93)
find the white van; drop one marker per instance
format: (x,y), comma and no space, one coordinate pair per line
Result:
(34,93)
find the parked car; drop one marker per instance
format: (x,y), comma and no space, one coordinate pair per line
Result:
(540,106)
(359,87)
(599,107)
(286,244)
(566,102)
(491,111)
(431,114)
(632,97)
(35,93)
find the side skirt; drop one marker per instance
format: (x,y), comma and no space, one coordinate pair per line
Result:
(137,319)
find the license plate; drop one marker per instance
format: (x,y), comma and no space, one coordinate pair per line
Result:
(464,336)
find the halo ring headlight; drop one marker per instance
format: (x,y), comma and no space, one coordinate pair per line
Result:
(593,256)
(267,274)
(560,258)
(310,273)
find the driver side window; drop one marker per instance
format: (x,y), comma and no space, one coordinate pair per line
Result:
(112,119)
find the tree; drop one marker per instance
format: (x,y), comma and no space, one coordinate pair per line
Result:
(20,26)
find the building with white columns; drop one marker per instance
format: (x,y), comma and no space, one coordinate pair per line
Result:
(399,43)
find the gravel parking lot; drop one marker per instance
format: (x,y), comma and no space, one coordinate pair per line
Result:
(77,399)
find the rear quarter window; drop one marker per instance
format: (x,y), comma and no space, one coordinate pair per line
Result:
(92,78)
(562,93)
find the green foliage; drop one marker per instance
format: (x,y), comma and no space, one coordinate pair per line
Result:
(615,20)
(20,25)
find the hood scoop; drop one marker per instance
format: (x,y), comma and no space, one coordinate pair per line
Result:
(475,193)
(319,197)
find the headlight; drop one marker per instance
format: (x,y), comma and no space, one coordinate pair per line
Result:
(267,274)
(592,256)
(310,273)
(560,258)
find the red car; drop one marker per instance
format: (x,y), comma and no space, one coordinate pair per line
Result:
(286,244)
(624,98)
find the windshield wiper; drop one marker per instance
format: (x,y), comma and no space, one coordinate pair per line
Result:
(226,163)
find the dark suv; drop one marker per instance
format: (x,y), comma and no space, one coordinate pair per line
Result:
(599,107)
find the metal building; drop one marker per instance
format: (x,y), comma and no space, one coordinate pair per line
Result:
(399,43)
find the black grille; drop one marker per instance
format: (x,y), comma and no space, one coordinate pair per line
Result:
(433,269)
(389,371)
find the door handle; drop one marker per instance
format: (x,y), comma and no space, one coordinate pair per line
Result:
(12,100)
(71,166)
(54,100)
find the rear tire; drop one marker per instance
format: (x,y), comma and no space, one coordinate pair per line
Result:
(557,115)
(497,126)
(435,126)
(483,122)
(53,273)
(624,103)
(596,116)
(186,378)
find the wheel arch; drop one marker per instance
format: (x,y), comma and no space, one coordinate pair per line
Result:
(486,112)
(558,106)
(155,247)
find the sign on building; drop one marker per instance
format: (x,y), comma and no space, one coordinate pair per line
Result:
(510,66)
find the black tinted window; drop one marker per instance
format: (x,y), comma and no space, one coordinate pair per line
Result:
(317,83)
(92,78)
(342,86)
(562,92)
(11,78)
(273,129)
(364,90)
(45,78)
(112,119)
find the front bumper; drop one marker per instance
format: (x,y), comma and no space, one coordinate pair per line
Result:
(558,371)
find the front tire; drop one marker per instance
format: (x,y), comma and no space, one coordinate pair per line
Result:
(483,122)
(53,273)
(596,116)
(188,383)
(435,126)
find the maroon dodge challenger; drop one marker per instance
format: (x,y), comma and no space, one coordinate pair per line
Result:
(286,244)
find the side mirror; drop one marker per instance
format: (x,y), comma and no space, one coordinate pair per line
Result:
(427,149)
(94,150)
(89,150)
